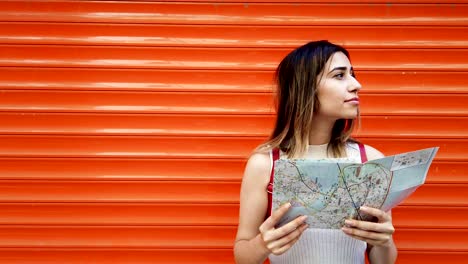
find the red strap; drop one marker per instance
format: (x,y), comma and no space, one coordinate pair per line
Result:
(362,149)
(276,155)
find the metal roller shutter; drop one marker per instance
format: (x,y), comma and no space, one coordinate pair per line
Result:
(126,124)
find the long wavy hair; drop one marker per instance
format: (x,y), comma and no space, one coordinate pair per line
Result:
(297,78)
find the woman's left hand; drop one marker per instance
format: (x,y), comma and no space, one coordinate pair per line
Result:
(376,234)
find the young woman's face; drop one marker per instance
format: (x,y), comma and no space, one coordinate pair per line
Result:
(337,90)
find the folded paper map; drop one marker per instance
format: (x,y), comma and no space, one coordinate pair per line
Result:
(330,191)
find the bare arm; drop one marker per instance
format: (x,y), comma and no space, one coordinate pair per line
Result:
(256,238)
(249,247)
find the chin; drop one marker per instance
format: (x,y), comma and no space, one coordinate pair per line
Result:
(349,116)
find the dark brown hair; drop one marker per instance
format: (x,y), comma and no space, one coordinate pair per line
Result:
(296,80)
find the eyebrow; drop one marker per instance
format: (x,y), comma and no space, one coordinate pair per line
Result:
(342,68)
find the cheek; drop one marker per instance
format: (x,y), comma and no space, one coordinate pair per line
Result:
(330,91)
(330,100)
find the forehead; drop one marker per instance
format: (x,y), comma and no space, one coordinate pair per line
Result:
(338,59)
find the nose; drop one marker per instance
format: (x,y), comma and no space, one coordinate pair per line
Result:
(354,85)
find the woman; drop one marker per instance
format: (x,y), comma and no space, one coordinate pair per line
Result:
(318,106)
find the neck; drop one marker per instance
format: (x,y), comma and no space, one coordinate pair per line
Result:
(320,132)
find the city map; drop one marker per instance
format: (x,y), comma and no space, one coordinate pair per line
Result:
(330,192)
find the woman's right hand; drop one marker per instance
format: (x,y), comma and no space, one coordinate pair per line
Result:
(279,240)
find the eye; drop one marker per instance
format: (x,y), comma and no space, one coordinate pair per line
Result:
(339,76)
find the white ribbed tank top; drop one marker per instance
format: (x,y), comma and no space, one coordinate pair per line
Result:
(325,246)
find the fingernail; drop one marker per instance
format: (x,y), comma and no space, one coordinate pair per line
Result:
(287,205)
(363,208)
(348,222)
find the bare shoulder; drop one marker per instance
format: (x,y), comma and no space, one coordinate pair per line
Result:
(259,160)
(258,167)
(373,153)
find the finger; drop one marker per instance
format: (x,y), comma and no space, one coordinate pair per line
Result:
(367,240)
(373,242)
(381,215)
(366,234)
(281,250)
(288,245)
(290,227)
(275,234)
(370,226)
(274,217)
(289,237)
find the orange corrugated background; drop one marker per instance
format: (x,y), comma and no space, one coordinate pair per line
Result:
(125,125)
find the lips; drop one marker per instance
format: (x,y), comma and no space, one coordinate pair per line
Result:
(355,99)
